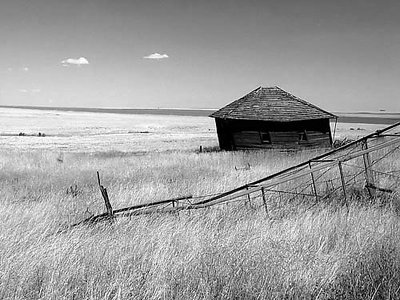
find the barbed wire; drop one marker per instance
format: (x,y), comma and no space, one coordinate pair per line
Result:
(384,156)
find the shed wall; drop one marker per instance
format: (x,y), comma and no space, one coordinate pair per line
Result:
(242,134)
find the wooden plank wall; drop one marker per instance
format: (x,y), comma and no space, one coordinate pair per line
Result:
(246,134)
(224,135)
(250,139)
(289,139)
(316,138)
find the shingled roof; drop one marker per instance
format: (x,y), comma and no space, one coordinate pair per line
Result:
(271,104)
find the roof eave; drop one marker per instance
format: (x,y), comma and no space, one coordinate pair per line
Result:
(281,120)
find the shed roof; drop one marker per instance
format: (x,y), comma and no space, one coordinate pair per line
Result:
(271,104)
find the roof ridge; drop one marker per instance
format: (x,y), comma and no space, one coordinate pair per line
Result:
(244,107)
(305,102)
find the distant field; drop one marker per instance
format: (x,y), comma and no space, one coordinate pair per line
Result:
(360,117)
(90,132)
(96,132)
(369,118)
(129,111)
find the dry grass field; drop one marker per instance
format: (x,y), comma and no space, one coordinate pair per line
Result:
(227,252)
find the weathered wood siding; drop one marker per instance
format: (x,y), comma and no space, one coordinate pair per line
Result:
(224,135)
(239,134)
(247,139)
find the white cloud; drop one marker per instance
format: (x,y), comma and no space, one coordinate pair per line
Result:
(23,91)
(156,56)
(25,69)
(75,61)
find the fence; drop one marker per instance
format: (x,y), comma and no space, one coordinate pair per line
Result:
(365,167)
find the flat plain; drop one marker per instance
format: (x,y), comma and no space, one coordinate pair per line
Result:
(48,182)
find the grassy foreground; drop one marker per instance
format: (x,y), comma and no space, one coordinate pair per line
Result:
(325,252)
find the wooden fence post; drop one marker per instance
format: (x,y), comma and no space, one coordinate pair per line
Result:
(313,183)
(104,193)
(264,201)
(369,175)
(248,202)
(343,183)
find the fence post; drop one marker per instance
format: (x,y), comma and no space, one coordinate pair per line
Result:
(104,193)
(343,183)
(248,202)
(313,183)
(369,176)
(264,201)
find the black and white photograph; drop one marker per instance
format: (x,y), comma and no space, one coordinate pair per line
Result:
(209,149)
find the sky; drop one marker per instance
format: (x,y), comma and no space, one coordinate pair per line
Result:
(341,55)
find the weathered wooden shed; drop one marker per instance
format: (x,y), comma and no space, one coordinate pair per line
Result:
(270,117)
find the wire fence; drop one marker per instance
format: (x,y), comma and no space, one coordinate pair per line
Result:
(368,168)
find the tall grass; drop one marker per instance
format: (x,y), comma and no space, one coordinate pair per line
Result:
(229,252)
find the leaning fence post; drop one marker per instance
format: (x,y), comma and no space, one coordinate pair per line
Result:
(313,183)
(264,201)
(248,202)
(369,176)
(104,193)
(343,182)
